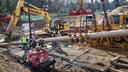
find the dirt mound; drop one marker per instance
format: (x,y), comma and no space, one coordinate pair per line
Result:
(62,66)
(7,65)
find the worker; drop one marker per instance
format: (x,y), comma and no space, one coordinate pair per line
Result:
(41,42)
(33,41)
(24,42)
(72,39)
(81,39)
(37,48)
(54,43)
(76,39)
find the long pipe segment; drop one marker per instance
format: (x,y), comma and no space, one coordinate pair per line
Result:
(62,38)
(115,33)
(95,35)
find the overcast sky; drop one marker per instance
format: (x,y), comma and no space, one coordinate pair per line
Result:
(100,0)
(85,0)
(75,1)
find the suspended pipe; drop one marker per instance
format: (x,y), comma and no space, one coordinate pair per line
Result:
(95,35)
(115,33)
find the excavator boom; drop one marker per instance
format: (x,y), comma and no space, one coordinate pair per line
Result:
(22,6)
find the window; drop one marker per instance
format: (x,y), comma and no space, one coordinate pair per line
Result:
(116,19)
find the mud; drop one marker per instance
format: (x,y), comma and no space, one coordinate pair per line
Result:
(97,57)
(8,65)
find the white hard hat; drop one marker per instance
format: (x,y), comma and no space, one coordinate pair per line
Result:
(37,47)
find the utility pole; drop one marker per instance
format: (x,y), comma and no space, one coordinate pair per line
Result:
(105,15)
(29,20)
(94,16)
(81,3)
(0,1)
(117,3)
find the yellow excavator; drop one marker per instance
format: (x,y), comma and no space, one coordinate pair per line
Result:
(59,26)
(22,6)
(118,22)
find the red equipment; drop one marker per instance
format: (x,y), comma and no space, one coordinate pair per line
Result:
(37,57)
(80,12)
(38,60)
(5,18)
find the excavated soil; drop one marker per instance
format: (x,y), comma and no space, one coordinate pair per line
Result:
(8,65)
(98,57)
(62,66)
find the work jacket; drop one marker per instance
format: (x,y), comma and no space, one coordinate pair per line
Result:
(24,40)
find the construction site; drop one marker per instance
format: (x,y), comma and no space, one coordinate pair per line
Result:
(63,36)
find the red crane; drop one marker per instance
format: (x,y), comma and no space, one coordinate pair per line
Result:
(80,10)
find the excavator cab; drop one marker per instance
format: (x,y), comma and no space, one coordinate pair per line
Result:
(89,23)
(59,26)
(56,25)
(118,21)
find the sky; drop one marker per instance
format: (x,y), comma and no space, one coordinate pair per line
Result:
(84,0)
(100,0)
(108,0)
(75,1)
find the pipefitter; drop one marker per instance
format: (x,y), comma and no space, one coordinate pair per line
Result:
(72,39)
(24,42)
(41,42)
(76,39)
(33,41)
(54,43)
(81,39)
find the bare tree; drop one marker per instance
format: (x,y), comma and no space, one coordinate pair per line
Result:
(7,6)
(117,3)
(0,2)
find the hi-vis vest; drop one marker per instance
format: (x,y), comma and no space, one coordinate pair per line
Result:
(24,40)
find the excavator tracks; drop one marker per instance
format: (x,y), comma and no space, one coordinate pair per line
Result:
(114,42)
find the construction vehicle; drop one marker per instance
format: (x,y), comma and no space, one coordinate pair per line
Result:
(37,59)
(59,25)
(22,6)
(118,23)
(102,35)
(55,23)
